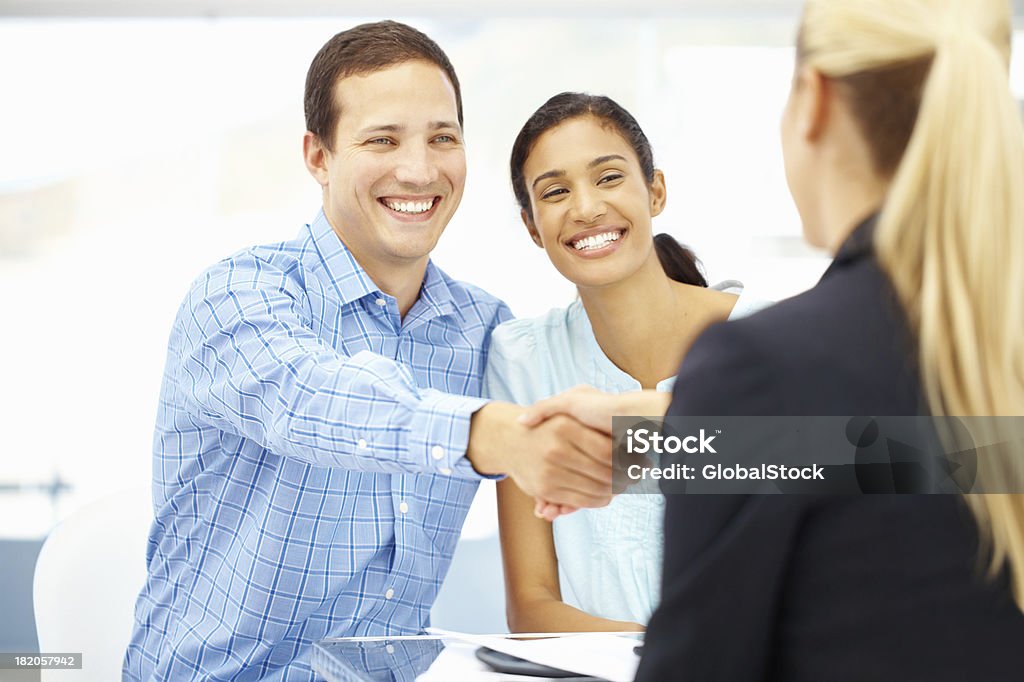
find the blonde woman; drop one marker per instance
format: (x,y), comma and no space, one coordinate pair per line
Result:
(904,154)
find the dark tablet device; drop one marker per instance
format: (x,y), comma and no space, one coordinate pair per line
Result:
(513,665)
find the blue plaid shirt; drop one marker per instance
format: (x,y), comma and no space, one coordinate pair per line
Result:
(309,465)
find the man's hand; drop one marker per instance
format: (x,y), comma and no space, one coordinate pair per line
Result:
(596,408)
(559,461)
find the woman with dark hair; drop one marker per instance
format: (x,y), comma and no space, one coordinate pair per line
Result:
(584,177)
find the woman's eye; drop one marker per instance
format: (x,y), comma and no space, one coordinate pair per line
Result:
(610,178)
(553,193)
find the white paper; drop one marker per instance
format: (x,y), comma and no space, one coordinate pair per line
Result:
(598,654)
(457,661)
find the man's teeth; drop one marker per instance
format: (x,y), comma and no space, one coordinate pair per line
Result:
(410,206)
(596,241)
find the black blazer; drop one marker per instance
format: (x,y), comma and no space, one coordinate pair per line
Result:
(812,588)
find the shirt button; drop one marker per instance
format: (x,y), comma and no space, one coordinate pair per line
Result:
(389,594)
(390,649)
(446,471)
(362,443)
(437,452)
(381,302)
(404,508)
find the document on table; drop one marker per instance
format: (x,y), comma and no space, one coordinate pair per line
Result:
(598,654)
(458,661)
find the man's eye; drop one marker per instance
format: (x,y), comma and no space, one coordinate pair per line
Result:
(446,139)
(553,192)
(380,140)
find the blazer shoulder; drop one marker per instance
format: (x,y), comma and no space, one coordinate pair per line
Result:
(842,347)
(726,371)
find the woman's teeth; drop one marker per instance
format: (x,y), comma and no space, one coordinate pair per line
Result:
(596,241)
(409,206)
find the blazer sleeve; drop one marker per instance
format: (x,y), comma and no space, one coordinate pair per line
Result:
(725,555)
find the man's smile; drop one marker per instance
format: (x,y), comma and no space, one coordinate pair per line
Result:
(410,208)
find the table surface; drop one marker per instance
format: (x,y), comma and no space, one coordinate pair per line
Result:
(386,659)
(373,659)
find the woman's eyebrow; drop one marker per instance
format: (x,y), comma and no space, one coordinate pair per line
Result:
(596,162)
(604,159)
(545,176)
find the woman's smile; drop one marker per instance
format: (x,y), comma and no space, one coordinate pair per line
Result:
(596,242)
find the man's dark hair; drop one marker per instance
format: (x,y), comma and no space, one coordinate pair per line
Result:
(362,50)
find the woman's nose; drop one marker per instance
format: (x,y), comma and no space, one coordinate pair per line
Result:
(587,206)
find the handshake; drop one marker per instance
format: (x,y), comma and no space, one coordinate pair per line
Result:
(558,450)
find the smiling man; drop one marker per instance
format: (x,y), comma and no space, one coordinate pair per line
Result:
(320,436)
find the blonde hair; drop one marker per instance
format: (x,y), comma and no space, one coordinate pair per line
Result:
(951,233)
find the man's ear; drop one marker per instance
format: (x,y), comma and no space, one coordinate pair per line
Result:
(813,103)
(315,156)
(531,228)
(658,193)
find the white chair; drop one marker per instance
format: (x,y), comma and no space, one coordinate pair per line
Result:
(87,577)
(472,598)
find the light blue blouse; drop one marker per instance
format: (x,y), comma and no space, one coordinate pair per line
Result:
(609,559)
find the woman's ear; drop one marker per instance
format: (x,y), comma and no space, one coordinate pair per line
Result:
(531,228)
(658,193)
(813,92)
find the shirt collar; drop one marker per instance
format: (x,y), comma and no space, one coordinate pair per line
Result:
(435,295)
(349,278)
(352,283)
(859,244)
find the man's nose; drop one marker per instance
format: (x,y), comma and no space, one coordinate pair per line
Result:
(416,166)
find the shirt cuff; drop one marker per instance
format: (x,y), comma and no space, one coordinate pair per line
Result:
(439,433)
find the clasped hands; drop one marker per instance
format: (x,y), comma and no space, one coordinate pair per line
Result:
(558,450)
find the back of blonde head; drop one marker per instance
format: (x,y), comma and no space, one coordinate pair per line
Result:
(951,233)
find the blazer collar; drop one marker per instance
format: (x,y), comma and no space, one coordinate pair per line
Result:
(860,244)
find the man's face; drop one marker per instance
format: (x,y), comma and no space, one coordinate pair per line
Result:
(398,168)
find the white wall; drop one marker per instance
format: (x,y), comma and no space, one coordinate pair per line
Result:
(133,153)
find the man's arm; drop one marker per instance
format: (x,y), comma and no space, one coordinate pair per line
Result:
(246,360)
(250,363)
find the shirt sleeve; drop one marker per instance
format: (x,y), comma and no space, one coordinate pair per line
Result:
(508,374)
(250,364)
